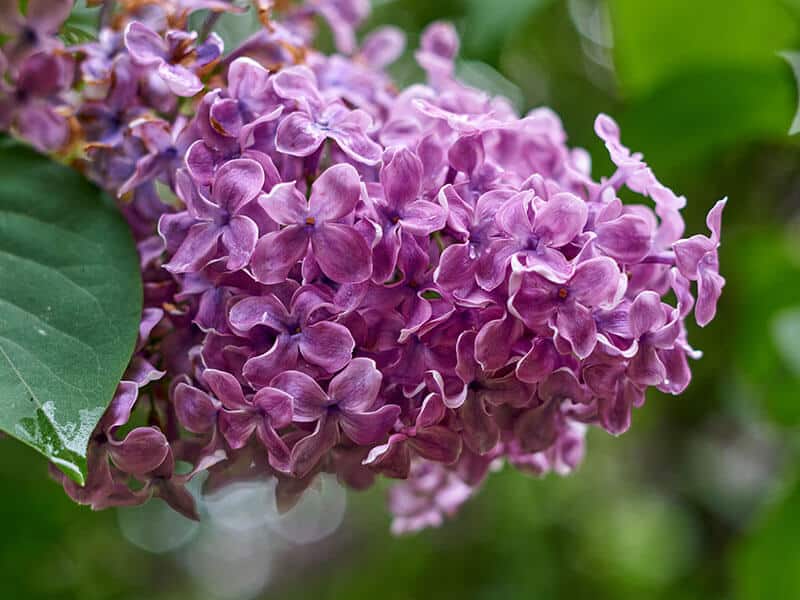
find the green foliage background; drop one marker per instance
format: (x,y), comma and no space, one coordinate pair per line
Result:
(701,499)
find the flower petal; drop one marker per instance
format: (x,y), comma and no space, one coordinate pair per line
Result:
(309,401)
(236,183)
(627,239)
(401,178)
(195,409)
(226,388)
(576,325)
(298,135)
(197,250)
(597,282)
(275,403)
(369,427)
(356,388)
(327,345)
(145,46)
(142,451)
(335,193)
(239,237)
(342,253)
(261,369)
(285,204)
(309,451)
(560,219)
(277,252)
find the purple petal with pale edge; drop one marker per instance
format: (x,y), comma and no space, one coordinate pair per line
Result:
(481,433)
(538,363)
(354,142)
(226,388)
(646,367)
(195,409)
(401,178)
(615,412)
(200,161)
(560,219)
(437,443)
(356,388)
(261,369)
(677,368)
(297,135)
(145,46)
(709,290)
(327,345)
(494,341)
(307,452)
(197,250)
(369,427)
(142,451)
(342,253)
(596,282)
(467,153)
(423,218)
(456,270)
(238,426)
(277,252)
(277,404)
(237,182)
(119,410)
(180,80)
(384,255)
(259,310)
(309,400)
(689,253)
(576,325)
(562,385)
(279,453)
(646,314)
(285,204)
(248,80)
(628,238)
(239,237)
(297,82)
(335,193)
(226,117)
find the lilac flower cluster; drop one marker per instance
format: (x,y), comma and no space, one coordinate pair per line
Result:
(344,277)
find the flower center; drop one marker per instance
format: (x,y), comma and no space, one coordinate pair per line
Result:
(563,293)
(310,221)
(29,36)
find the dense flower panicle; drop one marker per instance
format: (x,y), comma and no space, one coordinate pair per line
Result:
(343,277)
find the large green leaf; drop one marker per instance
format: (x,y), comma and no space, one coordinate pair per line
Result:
(70,303)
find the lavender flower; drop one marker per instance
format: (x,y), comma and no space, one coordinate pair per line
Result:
(344,277)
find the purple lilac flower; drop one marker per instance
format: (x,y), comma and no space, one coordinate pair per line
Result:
(303,131)
(441,288)
(319,223)
(34,31)
(350,406)
(220,218)
(168,55)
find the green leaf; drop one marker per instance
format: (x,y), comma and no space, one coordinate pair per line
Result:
(70,304)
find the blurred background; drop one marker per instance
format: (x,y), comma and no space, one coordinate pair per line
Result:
(701,499)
